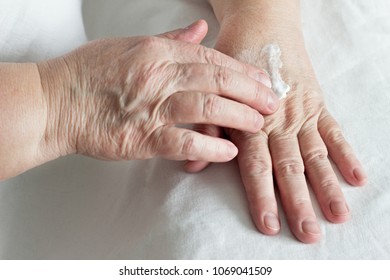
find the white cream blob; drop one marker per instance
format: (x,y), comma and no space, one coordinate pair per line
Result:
(270,57)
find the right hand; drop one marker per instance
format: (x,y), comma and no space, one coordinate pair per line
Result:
(121,98)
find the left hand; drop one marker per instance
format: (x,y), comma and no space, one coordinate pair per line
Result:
(294,144)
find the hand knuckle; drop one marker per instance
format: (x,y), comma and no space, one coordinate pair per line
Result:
(328,184)
(301,202)
(250,139)
(223,78)
(209,55)
(257,167)
(317,156)
(188,146)
(184,73)
(149,42)
(157,144)
(334,136)
(211,107)
(151,79)
(168,112)
(289,167)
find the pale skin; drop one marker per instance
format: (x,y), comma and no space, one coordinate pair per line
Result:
(297,141)
(120,99)
(81,104)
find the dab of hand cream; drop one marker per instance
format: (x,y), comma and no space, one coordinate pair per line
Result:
(270,56)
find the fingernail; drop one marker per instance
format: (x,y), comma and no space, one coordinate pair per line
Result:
(232,151)
(271,221)
(264,79)
(310,227)
(339,208)
(359,174)
(258,121)
(272,101)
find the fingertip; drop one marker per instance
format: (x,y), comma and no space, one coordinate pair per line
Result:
(265,217)
(338,212)
(232,150)
(360,176)
(273,102)
(194,33)
(195,166)
(271,224)
(258,122)
(267,102)
(355,176)
(307,231)
(196,24)
(199,147)
(197,30)
(266,223)
(203,23)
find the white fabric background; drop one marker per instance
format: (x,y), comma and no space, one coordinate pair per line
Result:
(77,207)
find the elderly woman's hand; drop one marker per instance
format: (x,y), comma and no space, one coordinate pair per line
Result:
(294,145)
(295,141)
(121,98)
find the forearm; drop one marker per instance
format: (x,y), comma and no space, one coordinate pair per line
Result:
(22,118)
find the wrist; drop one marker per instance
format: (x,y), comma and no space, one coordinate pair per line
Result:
(244,37)
(249,32)
(250,24)
(59,137)
(285,11)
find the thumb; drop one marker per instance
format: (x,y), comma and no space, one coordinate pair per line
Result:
(193,33)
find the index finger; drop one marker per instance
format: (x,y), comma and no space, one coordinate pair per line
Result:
(208,78)
(184,52)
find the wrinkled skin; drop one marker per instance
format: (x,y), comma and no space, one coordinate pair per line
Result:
(121,98)
(293,145)
(125,98)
